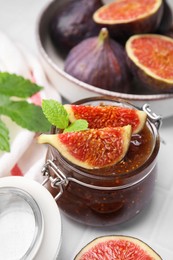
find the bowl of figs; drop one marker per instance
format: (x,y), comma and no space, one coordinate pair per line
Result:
(117,48)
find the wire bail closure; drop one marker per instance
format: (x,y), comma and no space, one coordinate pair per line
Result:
(59,181)
(156,119)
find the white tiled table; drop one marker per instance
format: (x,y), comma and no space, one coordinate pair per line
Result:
(155,225)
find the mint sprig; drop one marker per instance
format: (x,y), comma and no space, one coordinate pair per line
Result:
(17,86)
(78,125)
(22,112)
(58,116)
(26,115)
(55,113)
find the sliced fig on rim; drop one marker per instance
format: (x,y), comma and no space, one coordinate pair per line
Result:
(94,148)
(150,58)
(100,62)
(107,116)
(125,18)
(117,247)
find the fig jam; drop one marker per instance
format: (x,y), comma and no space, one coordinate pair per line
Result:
(110,195)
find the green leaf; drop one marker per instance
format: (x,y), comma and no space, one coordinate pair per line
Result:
(55,113)
(4,100)
(17,86)
(26,115)
(4,137)
(78,125)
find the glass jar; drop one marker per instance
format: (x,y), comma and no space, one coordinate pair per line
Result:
(28,217)
(110,195)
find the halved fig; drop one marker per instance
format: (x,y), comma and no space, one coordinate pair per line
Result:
(117,247)
(125,18)
(150,58)
(99,61)
(94,148)
(107,116)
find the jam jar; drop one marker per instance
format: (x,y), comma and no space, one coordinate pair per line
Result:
(111,195)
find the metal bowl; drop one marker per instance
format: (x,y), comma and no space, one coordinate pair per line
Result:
(73,89)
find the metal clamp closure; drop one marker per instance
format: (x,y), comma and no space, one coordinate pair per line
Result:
(57,179)
(156,119)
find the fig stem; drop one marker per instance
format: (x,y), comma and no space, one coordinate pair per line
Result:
(103,35)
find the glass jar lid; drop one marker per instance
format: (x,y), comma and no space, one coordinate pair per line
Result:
(21,224)
(30,221)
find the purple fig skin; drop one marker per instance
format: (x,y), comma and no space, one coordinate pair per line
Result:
(144,84)
(73,22)
(167,19)
(170,32)
(101,64)
(147,24)
(148,85)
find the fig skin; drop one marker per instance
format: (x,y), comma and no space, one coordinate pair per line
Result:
(145,83)
(167,19)
(122,31)
(101,62)
(73,22)
(170,32)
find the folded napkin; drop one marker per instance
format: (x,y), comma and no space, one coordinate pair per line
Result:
(26,157)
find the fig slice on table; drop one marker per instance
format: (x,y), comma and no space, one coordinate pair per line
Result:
(125,18)
(93,148)
(150,58)
(117,247)
(107,116)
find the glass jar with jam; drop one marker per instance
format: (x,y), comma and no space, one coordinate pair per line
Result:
(109,195)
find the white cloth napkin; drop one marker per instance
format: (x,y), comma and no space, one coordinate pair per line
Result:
(26,157)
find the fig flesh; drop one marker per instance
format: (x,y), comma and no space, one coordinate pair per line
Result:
(73,22)
(93,148)
(117,247)
(99,61)
(107,116)
(150,58)
(124,18)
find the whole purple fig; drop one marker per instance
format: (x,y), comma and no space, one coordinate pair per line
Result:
(99,61)
(73,22)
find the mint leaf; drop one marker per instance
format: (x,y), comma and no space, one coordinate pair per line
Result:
(17,86)
(78,125)
(4,100)
(4,137)
(55,113)
(26,115)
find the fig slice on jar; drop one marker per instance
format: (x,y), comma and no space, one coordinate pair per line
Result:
(124,18)
(93,148)
(107,116)
(150,58)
